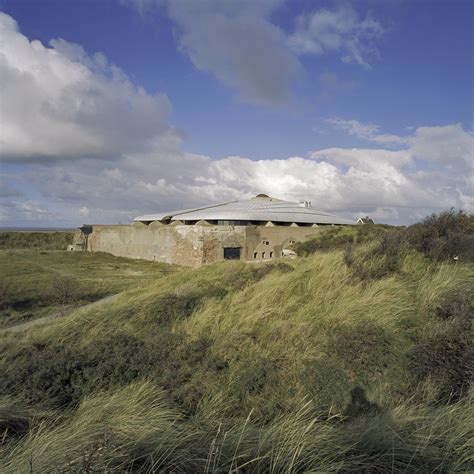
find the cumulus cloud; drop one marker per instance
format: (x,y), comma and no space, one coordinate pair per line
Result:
(449,144)
(340,30)
(58,102)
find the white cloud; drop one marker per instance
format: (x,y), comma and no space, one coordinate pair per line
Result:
(354,127)
(58,102)
(84,211)
(384,183)
(238,43)
(340,30)
(449,144)
(27,211)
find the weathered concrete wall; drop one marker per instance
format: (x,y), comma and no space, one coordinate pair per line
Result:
(189,245)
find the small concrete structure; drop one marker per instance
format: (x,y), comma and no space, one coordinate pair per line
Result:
(262,228)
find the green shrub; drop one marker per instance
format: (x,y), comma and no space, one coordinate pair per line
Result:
(182,368)
(65,290)
(379,259)
(41,374)
(457,305)
(363,348)
(250,377)
(447,358)
(114,361)
(327,384)
(444,236)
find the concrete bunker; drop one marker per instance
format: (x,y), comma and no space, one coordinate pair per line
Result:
(255,229)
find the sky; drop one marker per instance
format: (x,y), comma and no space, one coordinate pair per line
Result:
(111,109)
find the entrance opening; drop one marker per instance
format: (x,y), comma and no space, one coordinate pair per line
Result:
(232,253)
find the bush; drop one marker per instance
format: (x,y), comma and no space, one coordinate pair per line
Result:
(251,377)
(444,236)
(327,384)
(363,349)
(458,305)
(57,376)
(388,257)
(64,290)
(114,361)
(447,358)
(41,374)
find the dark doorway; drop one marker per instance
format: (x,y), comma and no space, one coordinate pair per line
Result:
(232,253)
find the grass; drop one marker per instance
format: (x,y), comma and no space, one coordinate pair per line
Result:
(35,240)
(135,430)
(300,367)
(37,283)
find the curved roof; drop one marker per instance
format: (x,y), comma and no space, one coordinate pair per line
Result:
(259,208)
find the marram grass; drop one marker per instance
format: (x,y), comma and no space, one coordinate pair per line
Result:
(246,368)
(133,429)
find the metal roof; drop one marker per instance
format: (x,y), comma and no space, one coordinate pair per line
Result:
(259,208)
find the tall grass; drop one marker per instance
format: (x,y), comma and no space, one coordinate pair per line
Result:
(305,366)
(133,429)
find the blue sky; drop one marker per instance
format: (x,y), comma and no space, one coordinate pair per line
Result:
(360,107)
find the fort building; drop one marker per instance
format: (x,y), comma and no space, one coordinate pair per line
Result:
(258,229)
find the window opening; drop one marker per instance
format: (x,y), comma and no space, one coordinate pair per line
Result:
(232,253)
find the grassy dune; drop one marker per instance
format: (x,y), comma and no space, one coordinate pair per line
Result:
(323,363)
(37,283)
